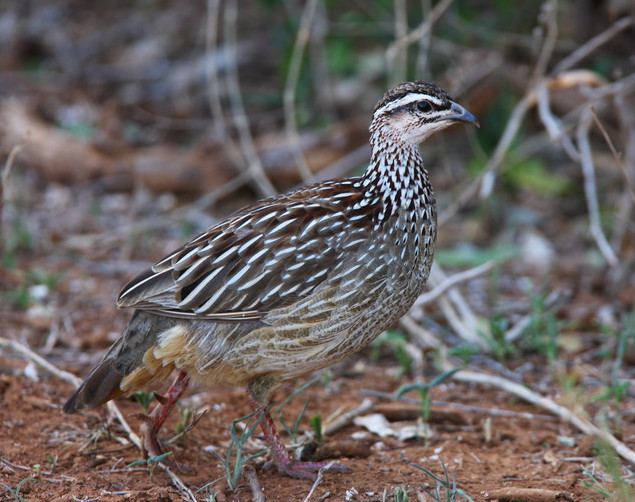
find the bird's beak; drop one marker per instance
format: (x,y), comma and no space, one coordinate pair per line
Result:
(462,115)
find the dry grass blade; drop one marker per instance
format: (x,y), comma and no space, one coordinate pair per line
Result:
(630,144)
(185,492)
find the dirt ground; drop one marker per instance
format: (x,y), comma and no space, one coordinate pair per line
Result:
(126,128)
(527,450)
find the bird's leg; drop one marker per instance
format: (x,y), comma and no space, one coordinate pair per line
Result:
(153,422)
(281,457)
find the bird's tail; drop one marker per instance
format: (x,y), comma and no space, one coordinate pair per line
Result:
(101,385)
(124,357)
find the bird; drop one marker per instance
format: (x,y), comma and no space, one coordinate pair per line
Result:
(289,285)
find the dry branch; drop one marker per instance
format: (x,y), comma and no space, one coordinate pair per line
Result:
(564,413)
(299,47)
(61,157)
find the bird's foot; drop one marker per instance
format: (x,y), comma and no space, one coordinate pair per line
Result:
(150,445)
(305,470)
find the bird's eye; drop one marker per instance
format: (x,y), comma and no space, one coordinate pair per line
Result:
(424,106)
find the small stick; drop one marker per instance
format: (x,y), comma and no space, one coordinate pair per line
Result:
(616,155)
(423,336)
(548,12)
(495,412)
(40,361)
(179,484)
(504,143)
(346,418)
(526,494)
(453,280)
(246,140)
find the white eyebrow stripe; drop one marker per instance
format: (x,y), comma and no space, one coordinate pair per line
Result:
(408,99)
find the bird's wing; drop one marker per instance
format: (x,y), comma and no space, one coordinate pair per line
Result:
(264,257)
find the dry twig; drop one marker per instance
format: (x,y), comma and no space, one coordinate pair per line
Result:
(346,418)
(449,282)
(590,188)
(179,484)
(592,45)
(262,183)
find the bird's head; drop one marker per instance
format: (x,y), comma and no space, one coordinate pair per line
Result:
(412,111)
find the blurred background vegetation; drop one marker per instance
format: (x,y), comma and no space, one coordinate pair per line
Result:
(127,127)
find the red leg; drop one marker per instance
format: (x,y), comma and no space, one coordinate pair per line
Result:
(281,456)
(153,422)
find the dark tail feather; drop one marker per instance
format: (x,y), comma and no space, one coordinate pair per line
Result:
(124,357)
(100,386)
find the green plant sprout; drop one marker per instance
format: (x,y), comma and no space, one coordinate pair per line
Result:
(444,489)
(541,335)
(495,339)
(16,493)
(151,462)
(144,399)
(294,430)
(401,494)
(397,343)
(316,425)
(236,450)
(608,459)
(424,392)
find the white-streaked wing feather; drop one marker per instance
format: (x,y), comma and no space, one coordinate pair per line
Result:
(263,257)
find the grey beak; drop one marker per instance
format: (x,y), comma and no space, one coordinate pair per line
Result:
(462,115)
